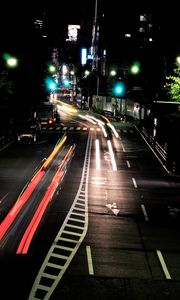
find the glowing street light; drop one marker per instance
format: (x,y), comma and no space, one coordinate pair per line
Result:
(135,69)
(87,72)
(113,73)
(12,62)
(52,68)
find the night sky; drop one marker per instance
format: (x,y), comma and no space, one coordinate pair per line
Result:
(15,18)
(16,35)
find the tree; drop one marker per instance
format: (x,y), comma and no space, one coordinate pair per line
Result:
(173,85)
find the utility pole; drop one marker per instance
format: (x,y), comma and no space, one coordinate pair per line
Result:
(95,38)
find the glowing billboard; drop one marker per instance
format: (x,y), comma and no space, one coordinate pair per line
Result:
(73,32)
(83,56)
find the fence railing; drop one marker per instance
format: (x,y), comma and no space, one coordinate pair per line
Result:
(156,146)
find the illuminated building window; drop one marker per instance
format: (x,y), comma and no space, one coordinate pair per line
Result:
(128,35)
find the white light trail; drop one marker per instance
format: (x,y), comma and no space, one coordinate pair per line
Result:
(103,129)
(86,117)
(113,161)
(96,119)
(97,155)
(113,129)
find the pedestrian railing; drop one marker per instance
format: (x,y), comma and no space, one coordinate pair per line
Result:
(156,146)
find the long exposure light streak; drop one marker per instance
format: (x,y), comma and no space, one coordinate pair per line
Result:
(29,233)
(31,229)
(103,130)
(97,155)
(113,129)
(114,166)
(10,217)
(54,152)
(86,117)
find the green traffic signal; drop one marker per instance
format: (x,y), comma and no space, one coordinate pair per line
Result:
(51,85)
(119,89)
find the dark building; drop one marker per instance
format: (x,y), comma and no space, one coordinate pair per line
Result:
(138,34)
(124,35)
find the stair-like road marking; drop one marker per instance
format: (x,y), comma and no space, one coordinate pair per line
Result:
(67,241)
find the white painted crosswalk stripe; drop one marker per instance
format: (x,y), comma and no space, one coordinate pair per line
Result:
(81,128)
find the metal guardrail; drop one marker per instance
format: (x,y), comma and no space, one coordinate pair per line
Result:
(161,151)
(156,146)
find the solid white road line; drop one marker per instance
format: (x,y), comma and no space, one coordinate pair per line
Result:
(144,212)
(89,260)
(134,182)
(128,163)
(123,147)
(163,264)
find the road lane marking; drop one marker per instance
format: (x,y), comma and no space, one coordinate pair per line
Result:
(128,163)
(113,161)
(89,260)
(134,182)
(113,208)
(97,147)
(70,235)
(163,264)
(123,148)
(144,212)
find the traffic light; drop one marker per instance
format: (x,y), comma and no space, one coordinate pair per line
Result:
(51,84)
(66,82)
(119,89)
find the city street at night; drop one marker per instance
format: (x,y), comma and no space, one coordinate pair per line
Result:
(113,226)
(89,151)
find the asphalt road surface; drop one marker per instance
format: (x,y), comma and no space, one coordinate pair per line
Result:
(120,220)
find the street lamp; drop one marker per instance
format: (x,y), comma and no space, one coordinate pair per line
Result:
(12,62)
(52,68)
(135,69)
(87,73)
(112,73)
